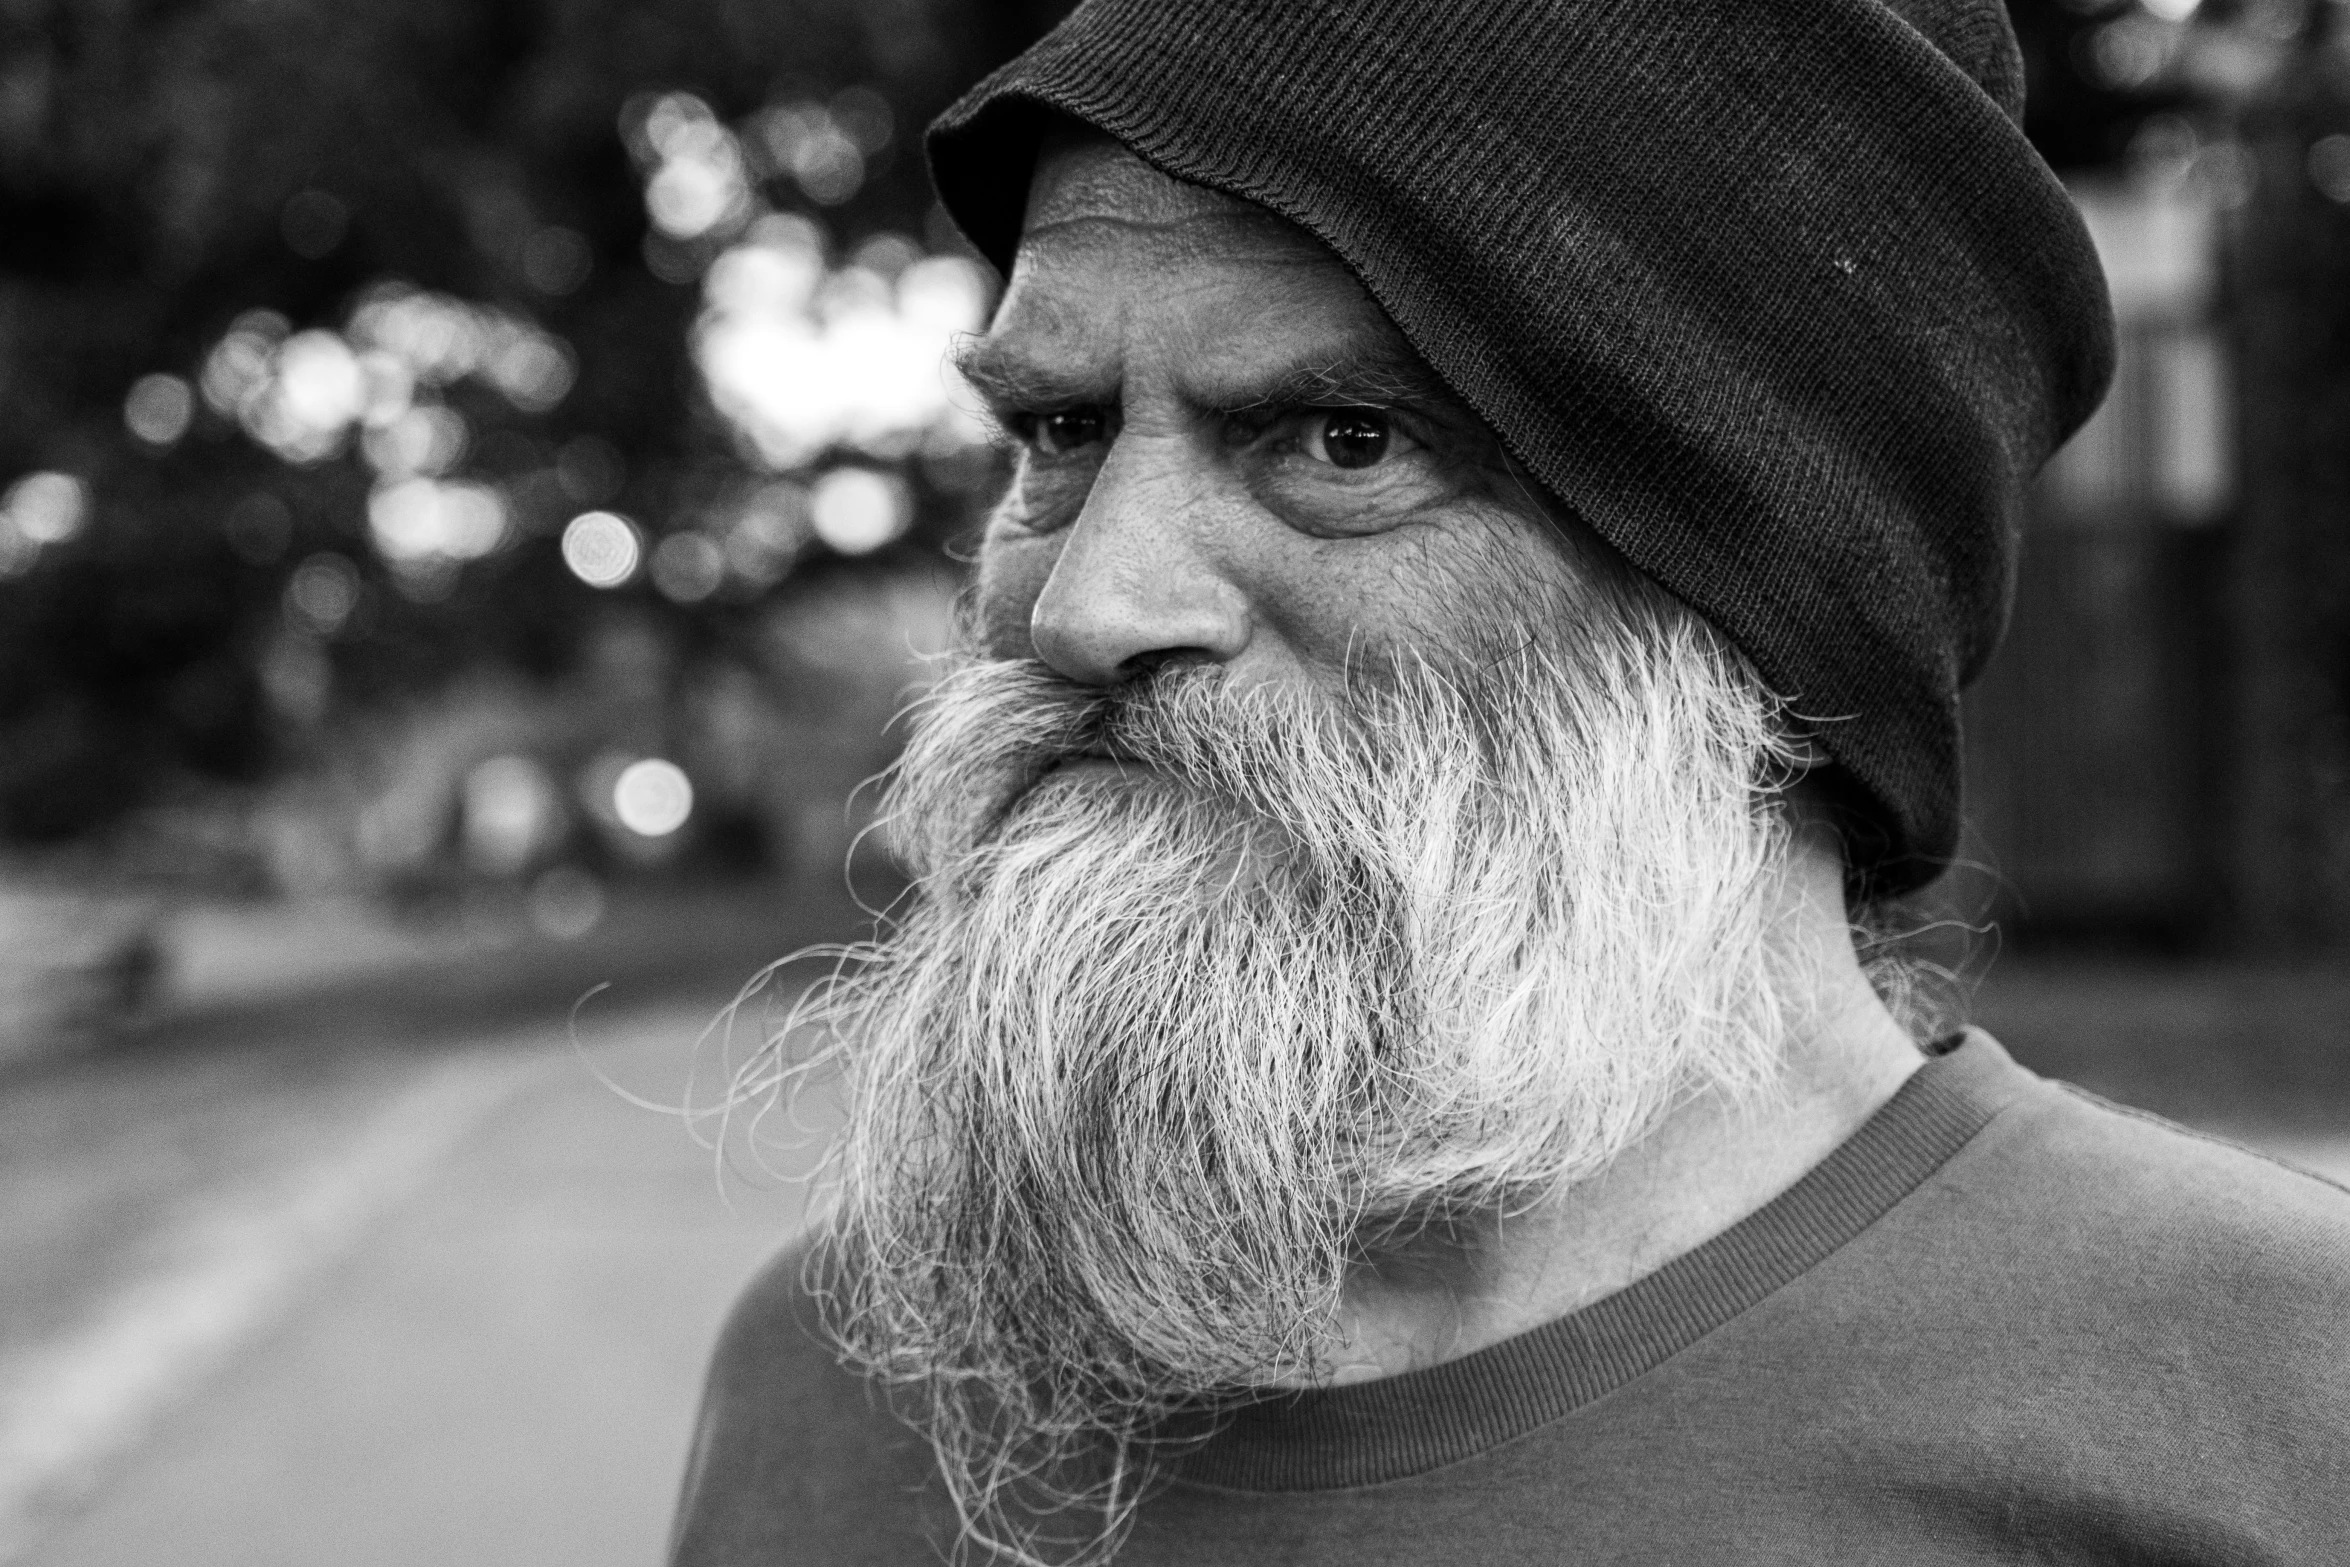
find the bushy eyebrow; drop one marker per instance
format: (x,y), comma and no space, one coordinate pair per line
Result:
(1010,380)
(1375,374)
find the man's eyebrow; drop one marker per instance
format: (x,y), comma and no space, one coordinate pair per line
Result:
(1359,375)
(1009,379)
(1369,375)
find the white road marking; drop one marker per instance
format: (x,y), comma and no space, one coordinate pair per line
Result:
(72,1407)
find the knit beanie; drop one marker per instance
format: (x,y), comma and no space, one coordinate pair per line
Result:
(1773,295)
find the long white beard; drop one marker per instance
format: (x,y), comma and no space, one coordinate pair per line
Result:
(1160,1057)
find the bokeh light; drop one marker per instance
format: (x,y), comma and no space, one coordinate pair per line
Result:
(322,592)
(509,809)
(2128,53)
(769,532)
(566,902)
(819,149)
(427,440)
(802,358)
(238,368)
(698,181)
(46,507)
(866,117)
(320,392)
(652,797)
(419,520)
(857,510)
(297,677)
(601,548)
(688,567)
(301,393)
(158,409)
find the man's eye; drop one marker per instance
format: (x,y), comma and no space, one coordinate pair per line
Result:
(1058,434)
(1347,437)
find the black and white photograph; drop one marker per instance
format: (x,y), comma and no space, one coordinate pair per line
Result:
(1174,783)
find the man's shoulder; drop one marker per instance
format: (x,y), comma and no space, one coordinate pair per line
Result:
(2077,1208)
(774,1329)
(795,1458)
(2131,1171)
(2087,1318)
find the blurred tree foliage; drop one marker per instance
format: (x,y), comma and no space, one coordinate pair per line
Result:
(2099,74)
(166,165)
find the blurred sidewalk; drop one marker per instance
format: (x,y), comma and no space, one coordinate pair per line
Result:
(505,1369)
(369,1283)
(349,1221)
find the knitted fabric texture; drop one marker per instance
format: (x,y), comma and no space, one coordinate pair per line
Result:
(1771,294)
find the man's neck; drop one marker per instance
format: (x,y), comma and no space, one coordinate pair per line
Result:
(1708,1165)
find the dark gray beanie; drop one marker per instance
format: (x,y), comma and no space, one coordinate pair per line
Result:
(1773,294)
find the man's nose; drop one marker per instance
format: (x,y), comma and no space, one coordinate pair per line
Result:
(1137,581)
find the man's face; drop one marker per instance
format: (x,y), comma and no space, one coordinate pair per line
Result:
(1420,867)
(1226,452)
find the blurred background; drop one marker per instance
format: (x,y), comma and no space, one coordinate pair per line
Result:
(476,479)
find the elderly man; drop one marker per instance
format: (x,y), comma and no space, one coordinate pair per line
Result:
(1379,1067)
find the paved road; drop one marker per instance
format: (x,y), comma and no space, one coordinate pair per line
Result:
(470,1333)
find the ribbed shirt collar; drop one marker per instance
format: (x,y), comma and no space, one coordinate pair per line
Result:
(1371,1432)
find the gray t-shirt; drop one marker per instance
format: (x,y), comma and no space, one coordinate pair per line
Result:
(2005,1322)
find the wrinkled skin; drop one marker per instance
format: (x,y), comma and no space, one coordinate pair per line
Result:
(1226,451)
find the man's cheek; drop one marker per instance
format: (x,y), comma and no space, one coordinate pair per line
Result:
(1013,567)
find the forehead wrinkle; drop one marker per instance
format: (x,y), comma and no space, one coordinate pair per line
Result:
(1304,348)
(1234,307)
(1045,342)
(1087,176)
(1368,364)
(1243,234)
